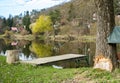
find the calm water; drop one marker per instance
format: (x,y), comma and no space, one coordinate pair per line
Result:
(36,49)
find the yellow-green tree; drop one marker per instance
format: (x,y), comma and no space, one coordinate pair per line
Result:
(42,24)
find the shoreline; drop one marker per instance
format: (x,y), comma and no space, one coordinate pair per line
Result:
(30,37)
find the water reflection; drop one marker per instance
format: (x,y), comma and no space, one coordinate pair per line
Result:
(72,63)
(21,45)
(22,56)
(29,50)
(41,49)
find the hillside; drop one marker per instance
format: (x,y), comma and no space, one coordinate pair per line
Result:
(77,17)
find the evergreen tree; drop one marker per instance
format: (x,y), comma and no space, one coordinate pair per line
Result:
(4,23)
(26,21)
(9,21)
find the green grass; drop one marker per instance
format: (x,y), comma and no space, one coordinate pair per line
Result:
(23,73)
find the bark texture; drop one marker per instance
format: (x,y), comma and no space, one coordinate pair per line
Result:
(105,25)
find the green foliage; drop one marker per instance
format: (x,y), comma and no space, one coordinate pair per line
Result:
(55,16)
(26,21)
(4,23)
(31,25)
(9,21)
(4,29)
(18,20)
(8,34)
(117,6)
(71,12)
(42,24)
(40,49)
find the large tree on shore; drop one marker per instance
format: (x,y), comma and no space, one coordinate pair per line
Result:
(42,25)
(106,23)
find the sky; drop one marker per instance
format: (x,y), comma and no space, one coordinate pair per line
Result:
(15,7)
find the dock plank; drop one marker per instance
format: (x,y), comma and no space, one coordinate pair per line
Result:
(45,60)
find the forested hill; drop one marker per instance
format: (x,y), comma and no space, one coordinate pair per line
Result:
(75,9)
(74,17)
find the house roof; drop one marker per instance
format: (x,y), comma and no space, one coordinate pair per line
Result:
(115,35)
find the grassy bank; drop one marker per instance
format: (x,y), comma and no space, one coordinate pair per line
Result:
(21,73)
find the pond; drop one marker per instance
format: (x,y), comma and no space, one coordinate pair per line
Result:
(30,50)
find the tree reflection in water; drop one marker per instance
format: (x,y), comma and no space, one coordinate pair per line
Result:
(41,49)
(30,50)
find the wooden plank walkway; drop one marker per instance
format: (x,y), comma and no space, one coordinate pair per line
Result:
(45,60)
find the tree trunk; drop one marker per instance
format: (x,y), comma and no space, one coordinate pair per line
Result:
(105,25)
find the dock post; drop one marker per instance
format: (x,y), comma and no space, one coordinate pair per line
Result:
(12,56)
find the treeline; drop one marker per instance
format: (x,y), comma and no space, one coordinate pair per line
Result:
(16,21)
(74,16)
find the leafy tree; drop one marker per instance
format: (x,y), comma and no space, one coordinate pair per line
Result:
(42,24)
(55,16)
(31,25)
(26,21)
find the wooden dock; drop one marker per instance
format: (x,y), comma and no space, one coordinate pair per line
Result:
(45,60)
